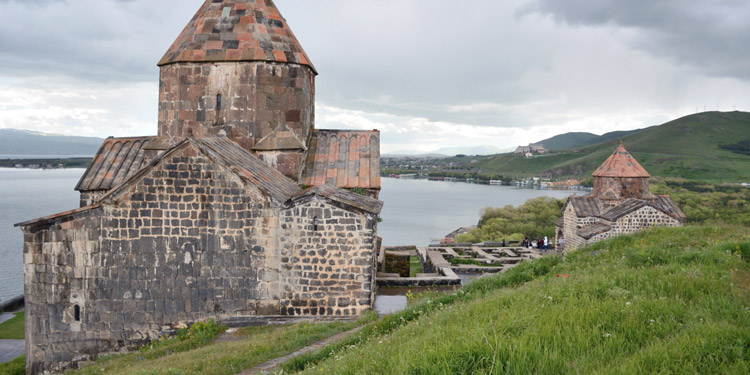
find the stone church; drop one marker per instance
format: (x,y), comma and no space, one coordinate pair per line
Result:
(238,209)
(619,204)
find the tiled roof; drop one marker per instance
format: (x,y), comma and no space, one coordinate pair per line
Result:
(344,196)
(593,230)
(237,30)
(346,159)
(621,164)
(117,159)
(586,206)
(249,167)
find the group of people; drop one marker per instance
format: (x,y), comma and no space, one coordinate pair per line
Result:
(542,244)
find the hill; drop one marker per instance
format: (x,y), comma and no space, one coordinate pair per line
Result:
(668,300)
(28,143)
(689,147)
(576,140)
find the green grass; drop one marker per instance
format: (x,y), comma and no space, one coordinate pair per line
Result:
(13,328)
(14,367)
(669,300)
(473,262)
(254,345)
(415,266)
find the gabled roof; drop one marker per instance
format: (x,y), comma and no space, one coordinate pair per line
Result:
(593,230)
(347,197)
(249,167)
(346,159)
(281,138)
(586,206)
(231,155)
(237,30)
(621,164)
(116,160)
(665,204)
(622,209)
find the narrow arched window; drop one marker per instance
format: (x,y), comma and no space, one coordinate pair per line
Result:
(77,313)
(218,102)
(315,223)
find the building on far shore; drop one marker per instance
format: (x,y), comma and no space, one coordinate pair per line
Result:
(619,204)
(533,149)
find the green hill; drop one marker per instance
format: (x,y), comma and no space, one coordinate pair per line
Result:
(689,147)
(28,143)
(575,140)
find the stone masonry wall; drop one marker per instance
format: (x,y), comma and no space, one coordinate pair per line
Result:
(331,267)
(256,98)
(59,271)
(570,226)
(624,187)
(189,241)
(643,218)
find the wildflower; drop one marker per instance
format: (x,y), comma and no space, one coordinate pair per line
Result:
(607,335)
(627,303)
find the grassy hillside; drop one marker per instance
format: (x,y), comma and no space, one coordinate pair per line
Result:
(577,140)
(668,300)
(568,140)
(689,148)
(22,142)
(674,301)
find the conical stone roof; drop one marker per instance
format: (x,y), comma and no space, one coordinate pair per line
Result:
(621,164)
(237,30)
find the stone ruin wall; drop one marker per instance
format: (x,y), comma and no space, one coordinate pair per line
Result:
(255,98)
(187,243)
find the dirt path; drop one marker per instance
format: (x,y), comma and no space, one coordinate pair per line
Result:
(273,365)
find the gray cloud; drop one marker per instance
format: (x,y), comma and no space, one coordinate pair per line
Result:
(711,36)
(97,40)
(483,64)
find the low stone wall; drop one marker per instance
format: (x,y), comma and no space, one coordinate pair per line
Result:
(447,278)
(398,263)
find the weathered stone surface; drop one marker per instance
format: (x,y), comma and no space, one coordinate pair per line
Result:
(188,241)
(247,100)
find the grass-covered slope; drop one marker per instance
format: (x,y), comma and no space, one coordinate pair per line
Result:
(672,301)
(689,147)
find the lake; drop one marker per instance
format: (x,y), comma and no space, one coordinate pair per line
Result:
(416,212)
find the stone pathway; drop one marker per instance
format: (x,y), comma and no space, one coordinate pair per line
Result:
(273,365)
(10,349)
(4,317)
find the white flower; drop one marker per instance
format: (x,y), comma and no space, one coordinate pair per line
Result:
(607,335)
(627,303)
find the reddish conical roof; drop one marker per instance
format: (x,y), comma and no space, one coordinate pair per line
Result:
(621,164)
(237,30)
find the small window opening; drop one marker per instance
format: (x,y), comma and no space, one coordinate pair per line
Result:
(77,313)
(218,102)
(315,223)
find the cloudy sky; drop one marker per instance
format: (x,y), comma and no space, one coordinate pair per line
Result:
(427,73)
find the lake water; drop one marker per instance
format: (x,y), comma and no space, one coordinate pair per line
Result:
(416,212)
(27,194)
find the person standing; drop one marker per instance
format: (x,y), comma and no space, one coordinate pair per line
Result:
(546,244)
